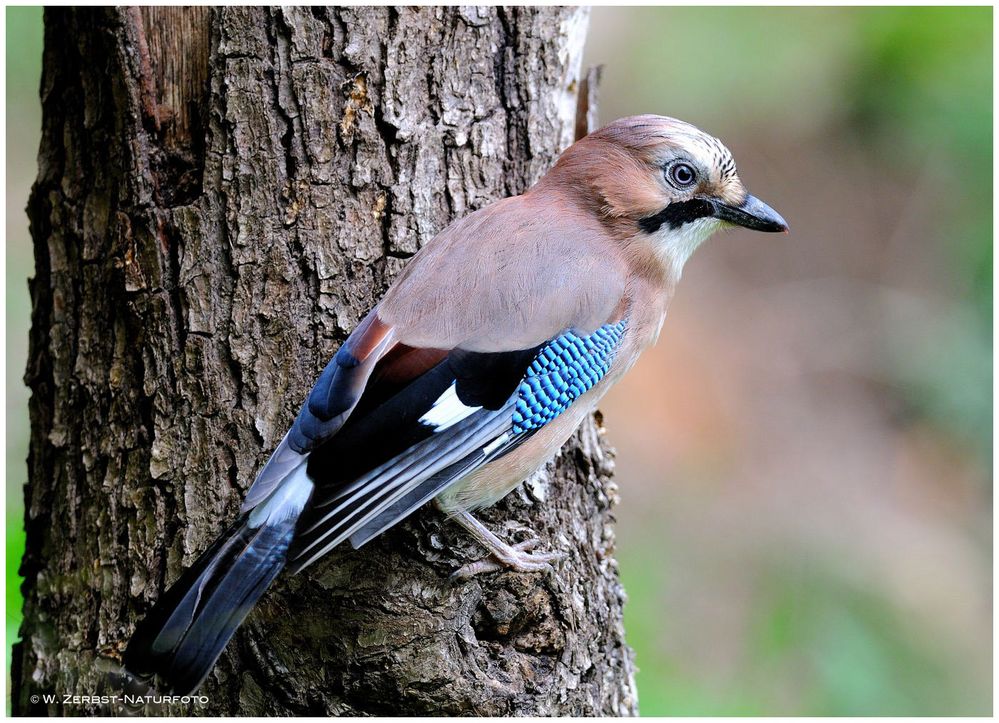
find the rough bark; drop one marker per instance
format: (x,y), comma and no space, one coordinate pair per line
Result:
(221,195)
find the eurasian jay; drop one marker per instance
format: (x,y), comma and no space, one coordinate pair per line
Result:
(480,361)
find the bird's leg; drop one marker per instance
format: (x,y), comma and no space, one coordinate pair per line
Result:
(516,557)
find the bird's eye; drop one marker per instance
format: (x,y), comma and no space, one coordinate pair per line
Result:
(681,175)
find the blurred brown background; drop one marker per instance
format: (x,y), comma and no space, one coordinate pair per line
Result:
(804,460)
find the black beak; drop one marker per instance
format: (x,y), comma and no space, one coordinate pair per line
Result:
(752,214)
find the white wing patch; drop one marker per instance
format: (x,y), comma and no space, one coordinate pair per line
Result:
(282,463)
(447,411)
(287,501)
(496,444)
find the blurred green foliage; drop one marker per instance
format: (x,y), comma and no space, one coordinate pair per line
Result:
(24,62)
(921,86)
(907,83)
(909,86)
(840,647)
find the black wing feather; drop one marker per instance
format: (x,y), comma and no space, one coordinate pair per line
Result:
(385,462)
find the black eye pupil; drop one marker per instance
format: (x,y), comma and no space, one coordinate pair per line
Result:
(682,174)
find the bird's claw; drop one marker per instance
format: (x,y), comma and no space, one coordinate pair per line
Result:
(516,557)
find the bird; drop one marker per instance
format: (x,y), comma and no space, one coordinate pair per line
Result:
(481,359)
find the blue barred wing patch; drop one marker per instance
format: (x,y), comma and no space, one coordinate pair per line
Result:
(564,369)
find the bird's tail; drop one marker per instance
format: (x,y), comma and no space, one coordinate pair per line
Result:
(186,631)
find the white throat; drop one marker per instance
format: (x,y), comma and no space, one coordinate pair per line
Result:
(675,245)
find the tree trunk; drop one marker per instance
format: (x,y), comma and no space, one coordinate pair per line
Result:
(222,194)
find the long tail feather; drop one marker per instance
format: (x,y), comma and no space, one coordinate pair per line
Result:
(187,629)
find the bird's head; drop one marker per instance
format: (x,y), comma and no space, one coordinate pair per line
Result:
(662,184)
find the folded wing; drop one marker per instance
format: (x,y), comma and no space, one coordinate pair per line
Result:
(437,380)
(466,411)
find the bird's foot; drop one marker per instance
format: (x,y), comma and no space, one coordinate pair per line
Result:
(517,557)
